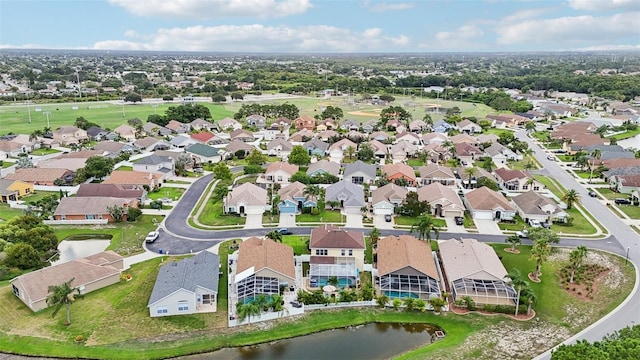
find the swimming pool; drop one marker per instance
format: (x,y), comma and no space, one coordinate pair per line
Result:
(342,282)
(401,294)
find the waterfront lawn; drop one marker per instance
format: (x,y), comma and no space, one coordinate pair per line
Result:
(213,215)
(166,192)
(327,216)
(300,244)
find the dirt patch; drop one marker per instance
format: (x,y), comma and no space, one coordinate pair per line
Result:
(512,251)
(363,113)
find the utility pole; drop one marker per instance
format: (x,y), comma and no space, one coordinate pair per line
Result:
(79,86)
(47,114)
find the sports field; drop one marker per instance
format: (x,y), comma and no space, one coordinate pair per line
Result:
(108,115)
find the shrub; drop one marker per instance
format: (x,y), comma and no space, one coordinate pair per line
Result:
(79,338)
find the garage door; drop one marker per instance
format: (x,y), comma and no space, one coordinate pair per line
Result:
(483,215)
(452,213)
(383,210)
(288,209)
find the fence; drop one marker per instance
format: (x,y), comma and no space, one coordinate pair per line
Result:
(76,222)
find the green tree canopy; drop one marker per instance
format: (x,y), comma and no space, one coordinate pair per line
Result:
(221,171)
(98,166)
(299,156)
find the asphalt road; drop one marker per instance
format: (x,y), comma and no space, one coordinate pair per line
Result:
(177,237)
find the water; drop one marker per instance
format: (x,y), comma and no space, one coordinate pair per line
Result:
(370,342)
(71,250)
(342,282)
(401,294)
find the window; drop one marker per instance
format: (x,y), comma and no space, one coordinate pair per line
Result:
(16,291)
(27,191)
(162,310)
(342,252)
(90,217)
(183,305)
(207,298)
(359,180)
(350,252)
(525,187)
(536,187)
(322,252)
(279,178)
(63,217)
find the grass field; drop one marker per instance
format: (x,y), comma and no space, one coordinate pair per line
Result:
(298,243)
(44,151)
(166,192)
(409,221)
(6,213)
(38,195)
(332,216)
(213,215)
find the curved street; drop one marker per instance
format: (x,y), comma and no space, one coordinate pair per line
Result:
(178,237)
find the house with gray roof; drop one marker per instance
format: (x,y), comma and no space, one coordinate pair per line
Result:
(187,286)
(532,205)
(153,129)
(323,167)
(182,141)
(349,195)
(256,120)
(441,126)
(316,147)
(97,133)
(500,154)
(359,173)
(156,164)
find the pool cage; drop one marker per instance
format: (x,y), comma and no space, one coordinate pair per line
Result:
(490,292)
(425,287)
(253,286)
(346,273)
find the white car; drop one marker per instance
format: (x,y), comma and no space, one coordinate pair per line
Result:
(534,223)
(152,236)
(522,234)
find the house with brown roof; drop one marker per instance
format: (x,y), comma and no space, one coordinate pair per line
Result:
(14,146)
(304,122)
(70,135)
(278,172)
(473,269)
(397,171)
(242,135)
(237,145)
(381,136)
(89,274)
(146,144)
(335,252)
(256,120)
(327,135)
(410,137)
(418,126)
(152,180)
(229,124)
(467,126)
(202,125)
(467,153)
(443,200)
(72,164)
(436,153)
(340,148)
(572,129)
(91,208)
(42,176)
(246,199)
(114,147)
(625,184)
(401,150)
(406,268)
(434,137)
(463,138)
(262,267)
(379,149)
(302,136)
(532,205)
(386,198)
(432,173)
(177,127)
(126,132)
(13,190)
(517,180)
(112,190)
(486,204)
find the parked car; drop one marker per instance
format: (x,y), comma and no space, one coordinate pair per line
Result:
(593,194)
(459,220)
(284,231)
(622,201)
(522,233)
(152,236)
(545,225)
(387,218)
(534,223)
(551,157)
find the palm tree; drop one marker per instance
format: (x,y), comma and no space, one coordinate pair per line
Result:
(314,191)
(576,257)
(488,164)
(470,172)
(514,240)
(529,165)
(528,297)
(374,236)
(274,235)
(246,310)
(540,252)
(350,151)
(517,282)
(437,304)
(582,161)
(63,294)
(571,197)
(530,125)
(276,303)
(595,154)
(424,226)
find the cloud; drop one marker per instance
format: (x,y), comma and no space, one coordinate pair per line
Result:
(395,6)
(570,30)
(212,9)
(603,5)
(260,38)
(463,38)
(610,48)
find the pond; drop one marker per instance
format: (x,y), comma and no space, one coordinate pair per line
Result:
(74,249)
(371,341)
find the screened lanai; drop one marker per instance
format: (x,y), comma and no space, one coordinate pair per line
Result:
(396,285)
(252,286)
(490,292)
(346,272)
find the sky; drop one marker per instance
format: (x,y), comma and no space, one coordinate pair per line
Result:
(322,26)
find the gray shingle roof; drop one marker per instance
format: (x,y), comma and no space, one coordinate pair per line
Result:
(153,160)
(368,169)
(197,271)
(348,192)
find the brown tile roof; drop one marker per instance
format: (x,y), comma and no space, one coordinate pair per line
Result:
(343,145)
(133,178)
(620,163)
(397,253)
(399,168)
(109,146)
(249,193)
(241,133)
(109,190)
(236,145)
(629,180)
(464,149)
(331,237)
(279,165)
(266,254)
(430,170)
(90,205)
(326,165)
(83,271)
(509,174)
(436,191)
(486,199)
(72,164)
(84,154)
(468,258)
(294,189)
(34,175)
(388,192)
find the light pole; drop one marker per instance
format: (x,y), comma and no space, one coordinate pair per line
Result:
(626,259)
(46,113)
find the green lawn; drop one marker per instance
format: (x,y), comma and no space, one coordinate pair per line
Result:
(415,162)
(126,238)
(6,164)
(565,158)
(39,195)
(541,135)
(330,216)
(44,151)
(518,225)
(6,213)
(632,211)
(125,168)
(251,179)
(609,194)
(497,131)
(522,164)
(625,135)
(166,192)
(298,243)
(409,221)
(595,177)
(212,215)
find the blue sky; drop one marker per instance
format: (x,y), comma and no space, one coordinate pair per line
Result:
(321,26)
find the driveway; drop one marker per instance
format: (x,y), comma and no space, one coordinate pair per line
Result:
(487,227)
(380,223)
(453,227)
(254,221)
(354,221)
(287,220)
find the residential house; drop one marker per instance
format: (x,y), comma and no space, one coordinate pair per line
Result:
(302,136)
(235,146)
(341,148)
(386,198)
(486,139)
(126,132)
(82,154)
(504,121)
(323,167)
(72,164)
(584,141)
(242,135)
(246,199)
(13,190)
(178,127)
(380,150)
(88,274)
(205,153)
(410,137)
(263,266)
(393,172)
(203,125)
(182,141)
(91,208)
(304,122)
(625,184)
(369,126)
(186,286)
(96,133)
(467,126)
(534,206)
(42,176)
(150,179)
(436,173)
(316,147)
(293,199)
(467,153)
(517,180)
(349,195)
(395,125)
(335,252)
(146,143)
(112,190)
(473,269)
(327,135)
(463,138)
(381,136)
(280,148)
(203,137)
(70,135)
(17,145)
(359,173)
(442,127)
(229,124)
(276,131)
(152,129)
(558,110)
(418,126)
(573,129)
(259,121)
(350,125)
(356,136)
(402,150)
(436,153)
(443,200)
(114,148)
(500,154)
(278,173)
(162,165)
(434,137)
(619,163)
(486,204)
(406,268)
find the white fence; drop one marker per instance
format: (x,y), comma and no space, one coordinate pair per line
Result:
(76,222)
(70,189)
(341,305)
